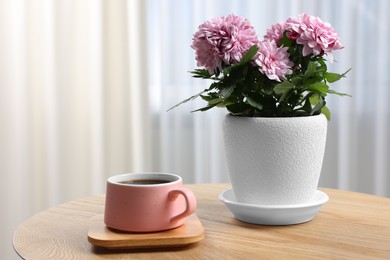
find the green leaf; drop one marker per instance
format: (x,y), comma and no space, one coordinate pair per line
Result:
(314,99)
(337,93)
(286,41)
(283,87)
(323,66)
(249,54)
(254,103)
(201,73)
(188,99)
(268,88)
(203,108)
(226,71)
(317,108)
(238,109)
(213,86)
(225,103)
(319,87)
(297,80)
(326,112)
(209,96)
(215,101)
(311,69)
(307,106)
(234,73)
(332,77)
(226,92)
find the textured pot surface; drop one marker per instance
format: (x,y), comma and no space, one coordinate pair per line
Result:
(274,161)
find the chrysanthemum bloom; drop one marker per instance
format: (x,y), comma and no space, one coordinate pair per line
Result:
(292,25)
(275,33)
(223,41)
(293,28)
(273,61)
(317,36)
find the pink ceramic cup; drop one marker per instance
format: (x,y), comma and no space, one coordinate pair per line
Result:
(140,207)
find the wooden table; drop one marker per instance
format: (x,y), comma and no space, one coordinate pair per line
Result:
(351,225)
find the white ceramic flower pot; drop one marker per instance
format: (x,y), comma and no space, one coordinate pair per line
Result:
(274,161)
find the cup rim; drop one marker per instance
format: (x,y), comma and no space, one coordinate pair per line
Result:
(172,178)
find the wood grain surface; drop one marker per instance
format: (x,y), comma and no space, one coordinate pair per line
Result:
(99,234)
(350,226)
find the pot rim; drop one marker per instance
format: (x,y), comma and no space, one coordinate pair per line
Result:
(276,117)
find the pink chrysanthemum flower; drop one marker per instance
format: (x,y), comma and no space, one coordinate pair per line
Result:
(273,61)
(293,27)
(275,33)
(317,36)
(223,41)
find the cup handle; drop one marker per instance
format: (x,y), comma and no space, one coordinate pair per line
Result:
(190,202)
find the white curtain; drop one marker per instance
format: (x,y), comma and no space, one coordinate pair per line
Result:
(73,102)
(85,85)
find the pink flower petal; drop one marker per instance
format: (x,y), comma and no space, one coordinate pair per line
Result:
(273,61)
(316,36)
(223,41)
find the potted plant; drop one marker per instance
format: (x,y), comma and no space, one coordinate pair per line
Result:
(274,90)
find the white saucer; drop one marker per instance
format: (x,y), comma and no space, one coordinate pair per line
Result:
(274,214)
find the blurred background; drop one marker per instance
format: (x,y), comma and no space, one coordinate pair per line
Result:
(85,85)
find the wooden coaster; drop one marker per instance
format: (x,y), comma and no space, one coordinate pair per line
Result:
(99,235)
